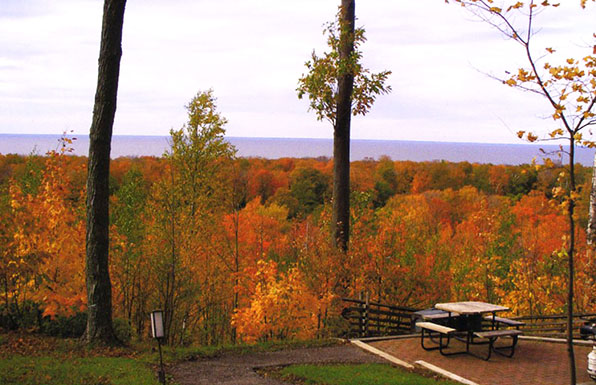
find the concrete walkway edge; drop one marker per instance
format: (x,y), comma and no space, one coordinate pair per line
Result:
(382,354)
(557,340)
(444,373)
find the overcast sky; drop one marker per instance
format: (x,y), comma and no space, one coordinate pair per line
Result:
(251,53)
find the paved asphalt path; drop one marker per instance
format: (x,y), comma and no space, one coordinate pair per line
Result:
(236,369)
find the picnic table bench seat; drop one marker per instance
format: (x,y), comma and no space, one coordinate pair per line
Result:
(444,333)
(498,333)
(437,316)
(506,321)
(436,327)
(493,335)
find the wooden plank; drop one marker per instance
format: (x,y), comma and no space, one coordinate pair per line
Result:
(438,316)
(545,330)
(389,313)
(499,333)
(540,324)
(557,316)
(470,307)
(362,302)
(379,319)
(557,340)
(546,326)
(435,327)
(506,321)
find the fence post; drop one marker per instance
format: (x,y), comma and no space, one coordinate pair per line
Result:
(366,313)
(361,316)
(319,324)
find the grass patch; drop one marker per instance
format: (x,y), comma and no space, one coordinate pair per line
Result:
(33,359)
(365,374)
(24,370)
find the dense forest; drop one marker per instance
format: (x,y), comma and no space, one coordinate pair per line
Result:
(237,249)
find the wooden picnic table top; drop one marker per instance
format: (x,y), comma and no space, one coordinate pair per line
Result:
(470,307)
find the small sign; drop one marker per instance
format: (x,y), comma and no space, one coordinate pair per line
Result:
(157,324)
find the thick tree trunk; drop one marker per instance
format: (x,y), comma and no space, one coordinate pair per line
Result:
(341,135)
(99,288)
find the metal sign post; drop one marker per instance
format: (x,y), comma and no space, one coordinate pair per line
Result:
(157,330)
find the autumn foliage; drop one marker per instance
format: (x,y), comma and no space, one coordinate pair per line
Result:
(249,257)
(47,252)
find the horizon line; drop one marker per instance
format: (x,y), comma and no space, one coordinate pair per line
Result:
(520,143)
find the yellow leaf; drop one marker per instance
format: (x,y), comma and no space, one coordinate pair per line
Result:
(517,5)
(555,133)
(510,82)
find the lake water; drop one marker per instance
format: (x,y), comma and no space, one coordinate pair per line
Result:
(274,148)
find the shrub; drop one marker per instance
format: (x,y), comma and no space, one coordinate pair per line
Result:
(65,327)
(123,330)
(25,316)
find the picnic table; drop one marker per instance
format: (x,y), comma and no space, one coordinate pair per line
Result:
(464,321)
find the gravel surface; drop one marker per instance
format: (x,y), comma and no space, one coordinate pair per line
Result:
(239,369)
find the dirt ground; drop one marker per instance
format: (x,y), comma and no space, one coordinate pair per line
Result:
(239,369)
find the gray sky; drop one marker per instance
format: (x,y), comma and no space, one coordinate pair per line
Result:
(253,52)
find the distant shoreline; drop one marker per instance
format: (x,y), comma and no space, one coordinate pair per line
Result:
(274,148)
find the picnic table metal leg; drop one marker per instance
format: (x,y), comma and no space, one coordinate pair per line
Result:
(422,331)
(511,348)
(491,342)
(440,343)
(440,339)
(444,353)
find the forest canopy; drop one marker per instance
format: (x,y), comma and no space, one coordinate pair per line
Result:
(243,250)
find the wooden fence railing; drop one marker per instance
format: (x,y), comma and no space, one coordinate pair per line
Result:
(373,319)
(552,325)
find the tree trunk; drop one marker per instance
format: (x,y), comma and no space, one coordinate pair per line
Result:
(591,231)
(341,134)
(99,288)
(570,256)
